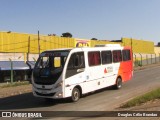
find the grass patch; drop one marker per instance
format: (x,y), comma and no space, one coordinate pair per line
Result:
(14,84)
(155,94)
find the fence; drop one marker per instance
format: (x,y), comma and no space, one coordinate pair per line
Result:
(145,59)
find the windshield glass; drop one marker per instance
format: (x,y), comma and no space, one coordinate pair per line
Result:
(52,59)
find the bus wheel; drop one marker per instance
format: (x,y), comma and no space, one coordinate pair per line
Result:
(75,95)
(118,83)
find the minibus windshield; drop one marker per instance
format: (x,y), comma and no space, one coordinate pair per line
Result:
(52,59)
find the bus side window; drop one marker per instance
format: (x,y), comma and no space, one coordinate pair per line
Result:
(106,57)
(76,62)
(94,58)
(117,56)
(71,62)
(126,55)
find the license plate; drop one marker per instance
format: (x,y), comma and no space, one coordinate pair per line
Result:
(44,92)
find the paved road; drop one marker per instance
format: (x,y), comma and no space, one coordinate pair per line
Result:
(103,100)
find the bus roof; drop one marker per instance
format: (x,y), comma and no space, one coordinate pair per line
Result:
(98,47)
(60,49)
(108,45)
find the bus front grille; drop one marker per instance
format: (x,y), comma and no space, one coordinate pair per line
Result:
(50,94)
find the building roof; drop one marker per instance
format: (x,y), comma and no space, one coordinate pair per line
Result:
(17,65)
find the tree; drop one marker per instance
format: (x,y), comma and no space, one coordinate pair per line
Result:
(158,44)
(67,34)
(94,39)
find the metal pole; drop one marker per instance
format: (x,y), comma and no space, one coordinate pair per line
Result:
(135,59)
(141,59)
(123,41)
(151,58)
(147,59)
(11,70)
(131,44)
(155,59)
(28,48)
(34,59)
(38,43)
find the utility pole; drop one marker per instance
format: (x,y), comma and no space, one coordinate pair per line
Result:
(38,43)
(28,48)
(131,44)
(11,70)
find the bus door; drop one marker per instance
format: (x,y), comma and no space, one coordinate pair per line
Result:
(94,72)
(75,71)
(106,56)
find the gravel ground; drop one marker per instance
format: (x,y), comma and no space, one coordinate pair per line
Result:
(11,91)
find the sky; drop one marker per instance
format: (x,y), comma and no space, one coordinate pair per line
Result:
(101,19)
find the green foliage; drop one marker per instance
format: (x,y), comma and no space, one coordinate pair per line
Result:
(67,34)
(94,39)
(155,94)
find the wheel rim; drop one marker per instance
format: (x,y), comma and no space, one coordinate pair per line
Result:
(76,95)
(119,83)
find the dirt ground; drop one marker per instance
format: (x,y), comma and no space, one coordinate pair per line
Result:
(149,106)
(11,91)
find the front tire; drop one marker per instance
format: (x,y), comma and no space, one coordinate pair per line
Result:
(75,95)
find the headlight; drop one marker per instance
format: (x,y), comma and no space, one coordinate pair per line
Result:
(59,84)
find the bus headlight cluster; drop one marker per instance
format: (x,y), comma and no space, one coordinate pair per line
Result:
(59,95)
(59,84)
